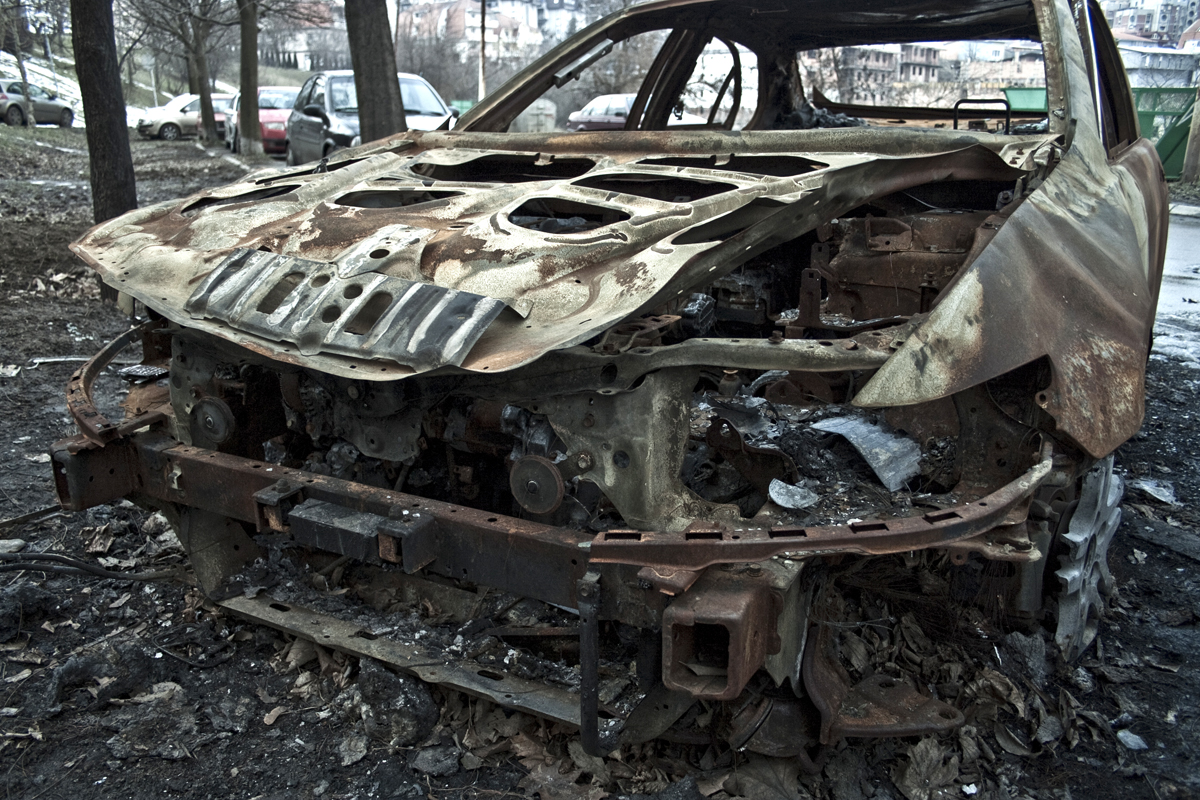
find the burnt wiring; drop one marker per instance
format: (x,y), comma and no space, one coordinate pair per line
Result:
(65,565)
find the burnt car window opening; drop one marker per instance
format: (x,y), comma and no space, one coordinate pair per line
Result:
(805,305)
(729,56)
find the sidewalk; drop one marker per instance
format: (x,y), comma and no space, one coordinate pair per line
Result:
(1184,210)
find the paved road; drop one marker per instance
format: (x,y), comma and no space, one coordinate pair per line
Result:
(1181,278)
(1178,324)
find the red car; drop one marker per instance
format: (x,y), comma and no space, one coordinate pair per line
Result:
(274,105)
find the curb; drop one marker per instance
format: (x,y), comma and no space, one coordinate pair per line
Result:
(1184,210)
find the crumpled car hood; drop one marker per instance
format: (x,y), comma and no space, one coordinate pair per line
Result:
(485,251)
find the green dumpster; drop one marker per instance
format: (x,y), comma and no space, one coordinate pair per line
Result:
(1164,115)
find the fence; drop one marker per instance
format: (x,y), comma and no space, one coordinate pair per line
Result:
(1164,115)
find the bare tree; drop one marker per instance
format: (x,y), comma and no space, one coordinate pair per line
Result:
(249,13)
(192,23)
(380,106)
(12,24)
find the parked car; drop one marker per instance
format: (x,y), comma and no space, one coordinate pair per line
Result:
(180,117)
(738,407)
(274,105)
(221,103)
(172,120)
(608,112)
(325,116)
(48,109)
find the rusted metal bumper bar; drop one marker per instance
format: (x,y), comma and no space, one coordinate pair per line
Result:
(698,547)
(537,561)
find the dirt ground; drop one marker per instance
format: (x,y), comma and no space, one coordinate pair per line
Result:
(140,689)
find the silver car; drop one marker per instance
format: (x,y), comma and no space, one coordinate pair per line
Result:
(172,120)
(181,116)
(48,109)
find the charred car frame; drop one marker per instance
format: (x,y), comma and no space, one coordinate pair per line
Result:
(659,383)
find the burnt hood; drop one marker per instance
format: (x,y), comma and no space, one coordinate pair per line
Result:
(447,250)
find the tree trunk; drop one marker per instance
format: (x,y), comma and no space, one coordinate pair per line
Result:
(27,105)
(1191,156)
(94,41)
(380,106)
(192,74)
(207,129)
(249,133)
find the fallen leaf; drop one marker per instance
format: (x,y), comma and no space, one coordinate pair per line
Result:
(36,658)
(1002,689)
(1009,741)
(588,763)
(100,541)
(525,747)
(551,784)
(20,676)
(164,690)
(273,715)
(927,773)
(764,778)
(38,458)
(711,785)
(301,652)
(120,601)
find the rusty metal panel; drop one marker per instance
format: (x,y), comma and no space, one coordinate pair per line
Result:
(312,306)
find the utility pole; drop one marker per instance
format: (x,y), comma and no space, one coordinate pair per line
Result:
(482,45)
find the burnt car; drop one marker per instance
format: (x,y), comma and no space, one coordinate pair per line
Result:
(637,411)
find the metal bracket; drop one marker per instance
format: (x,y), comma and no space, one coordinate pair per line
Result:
(273,504)
(415,536)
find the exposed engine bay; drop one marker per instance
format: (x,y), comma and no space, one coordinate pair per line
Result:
(864,279)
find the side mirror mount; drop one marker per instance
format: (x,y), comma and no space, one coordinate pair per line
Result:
(454,112)
(313,110)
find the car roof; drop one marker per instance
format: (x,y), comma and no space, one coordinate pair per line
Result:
(809,24)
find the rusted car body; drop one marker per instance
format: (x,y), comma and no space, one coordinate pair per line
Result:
(604,372)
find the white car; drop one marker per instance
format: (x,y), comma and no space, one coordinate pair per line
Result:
(180,117)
